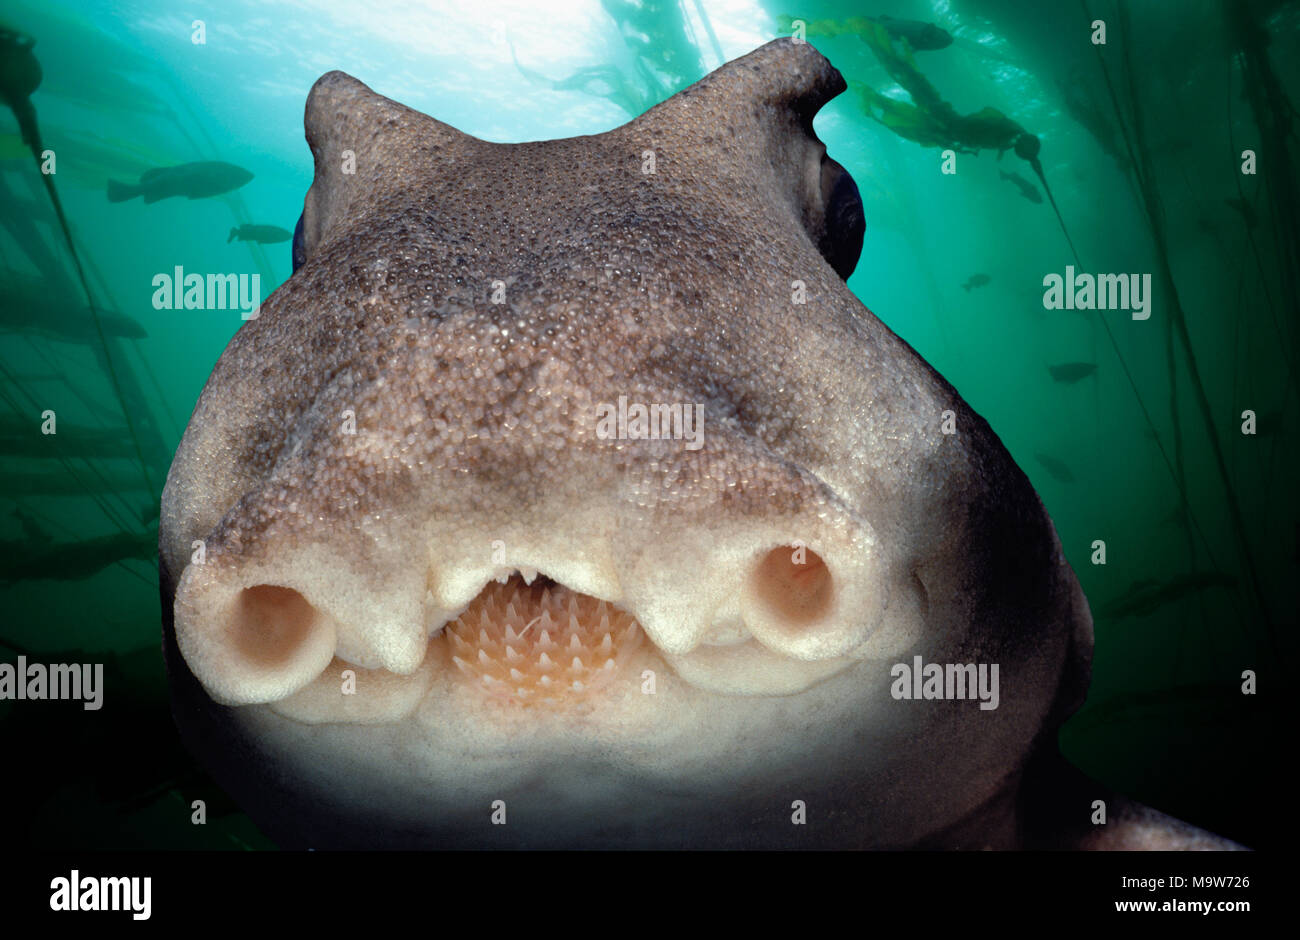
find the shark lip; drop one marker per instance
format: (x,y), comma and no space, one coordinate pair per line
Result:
(535,641)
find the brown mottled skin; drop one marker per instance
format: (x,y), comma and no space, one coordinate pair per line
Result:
(474,424)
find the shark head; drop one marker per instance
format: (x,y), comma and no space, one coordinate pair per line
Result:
(569,481)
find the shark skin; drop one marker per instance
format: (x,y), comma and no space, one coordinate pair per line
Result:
(412,427)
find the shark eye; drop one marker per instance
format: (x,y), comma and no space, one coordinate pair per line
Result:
(299,247)
(844,225)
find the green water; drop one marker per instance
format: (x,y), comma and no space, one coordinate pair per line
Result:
(1155,462)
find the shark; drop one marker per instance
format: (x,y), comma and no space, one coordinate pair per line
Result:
(438,568)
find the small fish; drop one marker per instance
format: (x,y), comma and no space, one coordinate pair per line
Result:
(1243,209)
(923,37)
(191,180)
(72,561)
(1145,597)
(29,305)
(263,234)
(1071,372)
(1057,468)
(975,280)
(1085,108)
(23,438)
(1027,189)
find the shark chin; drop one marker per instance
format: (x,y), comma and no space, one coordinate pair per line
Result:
(635,748)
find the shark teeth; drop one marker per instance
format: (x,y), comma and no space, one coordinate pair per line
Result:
(540,642)
(503,575)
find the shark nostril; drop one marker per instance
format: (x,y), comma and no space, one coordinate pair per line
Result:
(794,584)
(271,624)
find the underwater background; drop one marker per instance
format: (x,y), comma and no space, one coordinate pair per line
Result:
(1131,430)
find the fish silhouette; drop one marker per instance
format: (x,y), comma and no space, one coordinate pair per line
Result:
(263,234)
(1071,372)
(1145,597)
(1027,189)
(191,180)
(1057,468)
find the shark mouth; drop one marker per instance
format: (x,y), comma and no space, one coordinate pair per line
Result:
(540,642)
